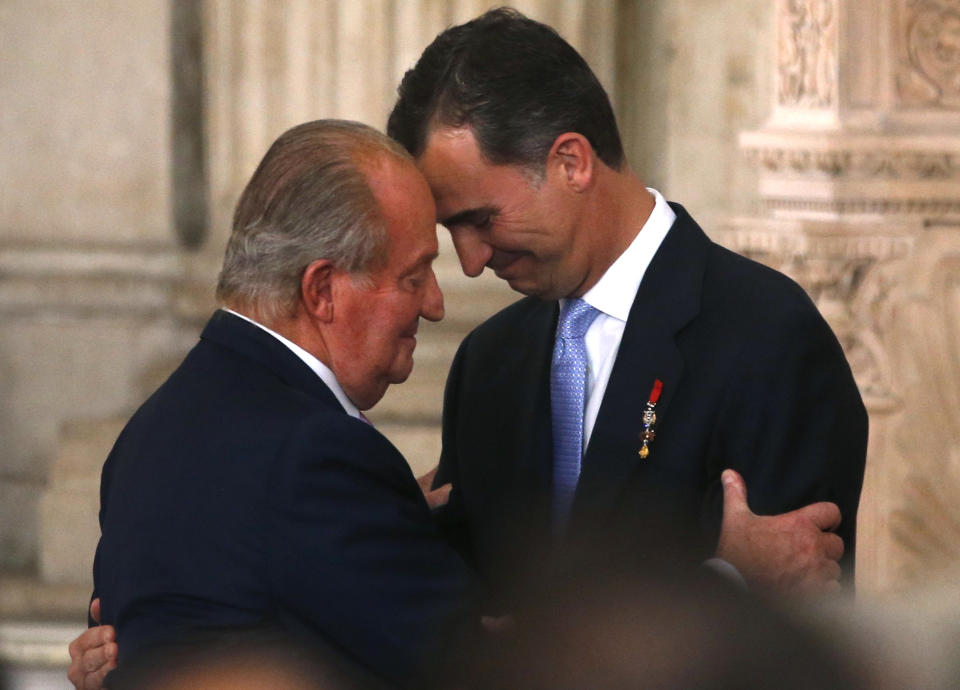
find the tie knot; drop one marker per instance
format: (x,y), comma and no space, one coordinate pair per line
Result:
(575,318)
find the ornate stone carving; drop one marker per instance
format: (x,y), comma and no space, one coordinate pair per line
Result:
(925,524)
(856,174)
(849,162)
(808,53)
(929,70)
(861,208)
(871,206)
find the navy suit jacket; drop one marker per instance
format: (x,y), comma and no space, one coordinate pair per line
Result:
(241,493)
(753,379)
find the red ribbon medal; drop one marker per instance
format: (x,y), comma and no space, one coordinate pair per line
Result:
(650,420)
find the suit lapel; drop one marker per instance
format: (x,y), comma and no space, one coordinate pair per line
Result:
(668,298)
(235,333)
(526,372)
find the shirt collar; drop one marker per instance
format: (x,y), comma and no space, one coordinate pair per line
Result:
(318,367)
(615,291)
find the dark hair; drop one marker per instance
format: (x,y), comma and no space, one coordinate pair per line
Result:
(515,82)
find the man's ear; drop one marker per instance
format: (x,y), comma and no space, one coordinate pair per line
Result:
(572,158)
(316,291)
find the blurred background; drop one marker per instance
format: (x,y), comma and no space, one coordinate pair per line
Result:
(821,137)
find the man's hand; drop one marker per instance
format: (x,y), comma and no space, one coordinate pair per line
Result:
(789,553)
(436,498)
(93,654)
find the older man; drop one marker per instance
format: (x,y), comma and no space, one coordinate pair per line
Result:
(249,490)
(644,361)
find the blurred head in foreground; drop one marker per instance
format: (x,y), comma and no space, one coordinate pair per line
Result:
(240,660)
(689,631)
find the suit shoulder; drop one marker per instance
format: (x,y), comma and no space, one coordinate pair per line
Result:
(762,314)
(323,438)
(324,451)
(753,289)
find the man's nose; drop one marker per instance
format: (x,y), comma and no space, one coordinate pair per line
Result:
(432,309)
(472,251)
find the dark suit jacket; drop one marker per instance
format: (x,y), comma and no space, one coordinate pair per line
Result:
(753,379)
(242,494)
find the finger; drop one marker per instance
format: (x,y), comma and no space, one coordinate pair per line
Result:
(734,493)
(832,546)
(75,675)
(94,658)
(426,481)
(94,681)
(825,516)
(88,639)
(95,609)
(832,586)
(439,496)
(830,571)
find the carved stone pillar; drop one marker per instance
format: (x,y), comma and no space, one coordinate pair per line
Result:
(859,178)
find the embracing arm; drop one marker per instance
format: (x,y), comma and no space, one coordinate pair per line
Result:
(93,654)
(794,552)
(794,426)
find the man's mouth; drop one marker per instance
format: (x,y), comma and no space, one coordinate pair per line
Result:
(501,263)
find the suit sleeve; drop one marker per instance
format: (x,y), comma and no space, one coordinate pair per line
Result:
(356,557)
(793,423)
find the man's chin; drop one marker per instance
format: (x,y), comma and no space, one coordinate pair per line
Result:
(531,289)
(402,371)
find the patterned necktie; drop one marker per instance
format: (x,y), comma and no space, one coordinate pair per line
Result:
(568,381)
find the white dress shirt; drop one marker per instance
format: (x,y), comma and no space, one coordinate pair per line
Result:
(318,367)
(613,296)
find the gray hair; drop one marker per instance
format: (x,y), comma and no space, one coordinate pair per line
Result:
(308,199)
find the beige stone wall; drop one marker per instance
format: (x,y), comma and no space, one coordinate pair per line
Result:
(692,74)
(88,259)
(84,89)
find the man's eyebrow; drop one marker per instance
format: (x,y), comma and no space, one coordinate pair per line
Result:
(468,216)
(424,260)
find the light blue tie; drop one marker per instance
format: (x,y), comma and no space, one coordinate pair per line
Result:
(568,381)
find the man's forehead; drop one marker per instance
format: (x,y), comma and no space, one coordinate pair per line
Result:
(452,166)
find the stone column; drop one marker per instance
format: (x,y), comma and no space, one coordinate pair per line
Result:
(859,181)
(90,256)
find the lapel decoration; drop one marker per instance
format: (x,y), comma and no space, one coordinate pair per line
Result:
(650,420)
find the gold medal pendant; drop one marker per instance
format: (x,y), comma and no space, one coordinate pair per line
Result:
(649,420)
